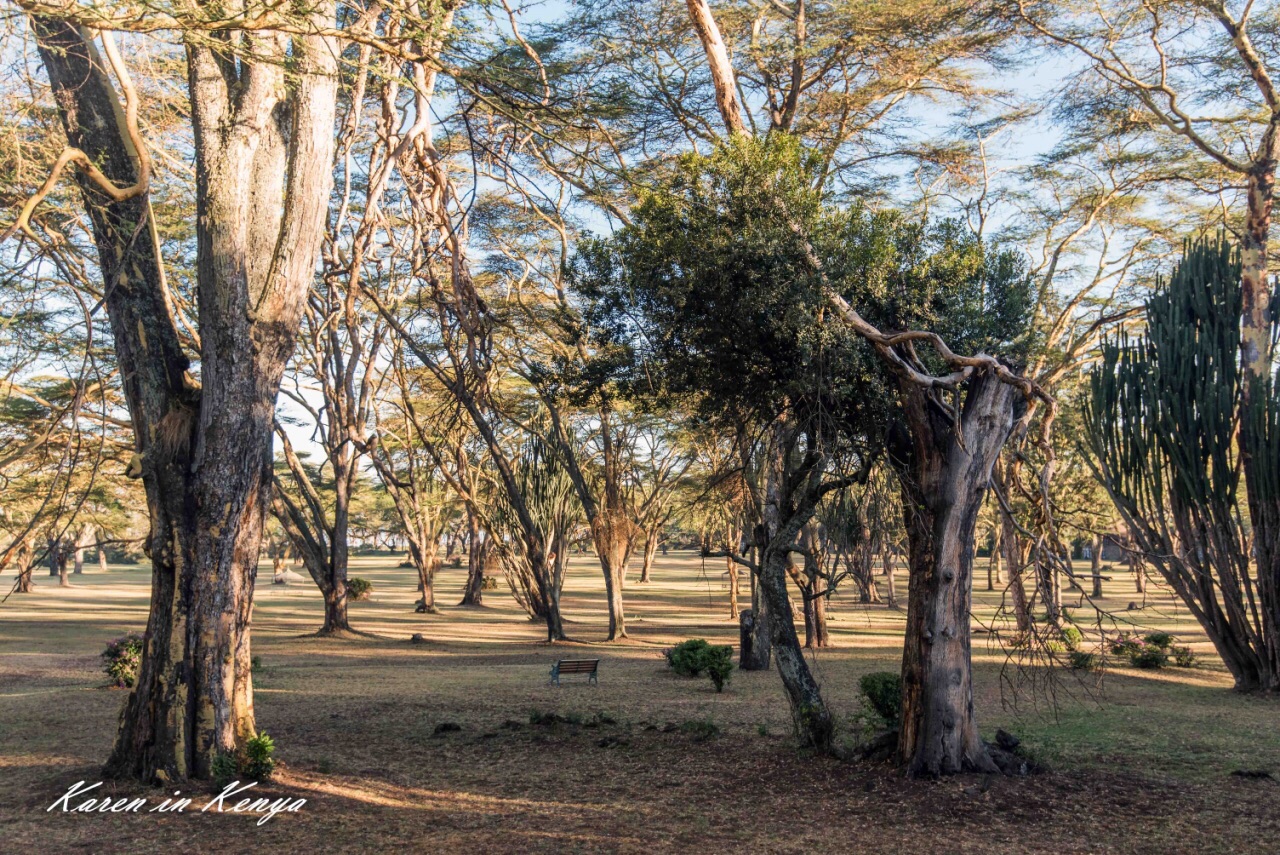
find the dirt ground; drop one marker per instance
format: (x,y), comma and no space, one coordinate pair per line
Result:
(1142,761)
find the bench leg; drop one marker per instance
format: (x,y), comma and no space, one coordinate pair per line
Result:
(593,678)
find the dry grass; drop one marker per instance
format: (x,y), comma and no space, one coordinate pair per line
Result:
(1142,765)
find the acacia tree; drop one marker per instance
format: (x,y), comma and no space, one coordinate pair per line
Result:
(1192,81)
(942,454)
(203,446)
(714,300)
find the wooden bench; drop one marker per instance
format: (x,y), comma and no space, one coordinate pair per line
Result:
(575,666)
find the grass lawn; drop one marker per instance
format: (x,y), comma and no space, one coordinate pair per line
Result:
(1141,760)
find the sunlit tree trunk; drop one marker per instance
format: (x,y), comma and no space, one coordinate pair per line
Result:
(944,482)
(263,155)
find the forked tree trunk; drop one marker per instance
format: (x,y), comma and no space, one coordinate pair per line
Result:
(651,539)
(944,479)
(102,559)
(806,604)
(890,572)
(787,508)
(814,591)
(263,166)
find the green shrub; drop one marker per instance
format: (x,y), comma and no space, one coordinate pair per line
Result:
(256,762)
(882,691)
(359,589)
(718,663)
(695,656)
(259,757)
(1072,637)
(1053,646)
(700,729)
(1126,645)
(122,658)
(1183,657)
(1149,657)
(224,769)
(686,657)
(1161,640)
(1082,661)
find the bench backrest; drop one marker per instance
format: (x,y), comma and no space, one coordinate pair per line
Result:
(577,666)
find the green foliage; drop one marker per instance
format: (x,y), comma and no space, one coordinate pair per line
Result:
(718,662)
(700,729)
(717,293)
(695,656)
(1072,637)
(882,692)
(1083,661)
(359,589)
(1161,640)
(255,762)
(122,658)
(1149,657)
(224,769)
(1169,426)
(259,762)
(1183,657)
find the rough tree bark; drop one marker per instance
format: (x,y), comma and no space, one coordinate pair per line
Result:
(263,156)
(473,594)
(944,478)
(788,506)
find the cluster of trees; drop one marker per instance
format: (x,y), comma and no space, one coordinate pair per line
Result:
(466,273)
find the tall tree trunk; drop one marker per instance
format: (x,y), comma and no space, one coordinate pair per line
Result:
(993,564)
(820,629)
(23,560)
(87,536)
(1095,565)
(890,569)
(102,559)
(651,539)
(731,569)
(807,604)
(611,531)
(1011,547)
(473,595)
(1256,438)
(263,169)
(787,508)
(944,478)
(1139,567)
